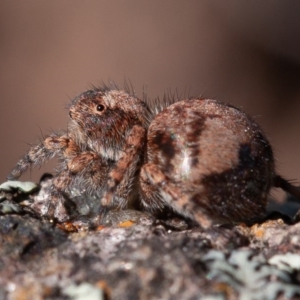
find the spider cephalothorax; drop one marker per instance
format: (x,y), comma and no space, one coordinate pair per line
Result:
(102,120)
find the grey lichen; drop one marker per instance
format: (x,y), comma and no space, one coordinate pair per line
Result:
(289,262)
(23,186)
(251,275)
(17,191)
(83,291)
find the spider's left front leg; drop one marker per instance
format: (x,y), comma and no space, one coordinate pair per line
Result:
(53,202)
(122,175)
(39,154)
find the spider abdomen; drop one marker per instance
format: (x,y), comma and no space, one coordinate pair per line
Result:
(213,156)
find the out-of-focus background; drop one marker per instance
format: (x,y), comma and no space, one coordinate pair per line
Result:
(243,52)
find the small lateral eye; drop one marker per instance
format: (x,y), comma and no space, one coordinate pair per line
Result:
(100,107)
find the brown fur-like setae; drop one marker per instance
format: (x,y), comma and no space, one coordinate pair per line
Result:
(203,159)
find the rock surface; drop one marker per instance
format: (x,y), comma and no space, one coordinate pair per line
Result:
(135,256)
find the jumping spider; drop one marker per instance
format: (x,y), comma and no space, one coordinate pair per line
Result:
(203,159)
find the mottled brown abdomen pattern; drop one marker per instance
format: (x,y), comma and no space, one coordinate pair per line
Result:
(214,160)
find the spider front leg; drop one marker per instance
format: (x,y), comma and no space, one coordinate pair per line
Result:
(122,175)
(87,171)
(158,191)
(51,201)
(44,151)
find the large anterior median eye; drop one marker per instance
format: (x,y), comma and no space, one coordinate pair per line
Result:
(100,107)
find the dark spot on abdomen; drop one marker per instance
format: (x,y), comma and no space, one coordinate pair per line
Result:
(165,144)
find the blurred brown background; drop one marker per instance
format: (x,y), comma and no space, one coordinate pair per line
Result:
(243,52)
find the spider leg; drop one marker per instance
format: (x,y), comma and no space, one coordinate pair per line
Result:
(85,170)
(121,176)
(42,152)
(158,190)
(90,170)
(51,201)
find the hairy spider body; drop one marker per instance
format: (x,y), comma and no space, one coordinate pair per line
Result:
(201,158)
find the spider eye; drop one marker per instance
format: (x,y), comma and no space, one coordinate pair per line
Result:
(100,107)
